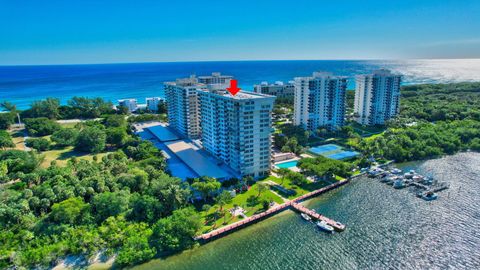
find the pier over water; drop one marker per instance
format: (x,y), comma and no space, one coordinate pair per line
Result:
(294,204)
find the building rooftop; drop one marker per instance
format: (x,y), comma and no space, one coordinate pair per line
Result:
(200,164)
(240,95)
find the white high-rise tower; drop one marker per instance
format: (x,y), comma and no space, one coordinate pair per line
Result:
(320,101)
(377,97)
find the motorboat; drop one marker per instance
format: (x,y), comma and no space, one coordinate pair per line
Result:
(429,196)
(427,181)
(417,178)
(396,171)
(399,183)
(375,172)
(389,179)
(306,217)
(409,175)
(325,227)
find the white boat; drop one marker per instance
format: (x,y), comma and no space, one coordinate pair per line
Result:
(396,171)
(324,226)
(409,175)
(417,178)
(306,217)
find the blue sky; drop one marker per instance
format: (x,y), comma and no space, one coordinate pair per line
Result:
(109,31)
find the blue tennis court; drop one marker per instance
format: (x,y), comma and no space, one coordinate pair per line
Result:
(333,151)
(324,148)
(343,155)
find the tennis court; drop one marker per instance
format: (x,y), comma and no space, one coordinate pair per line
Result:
(324,148)
(333,151)
(343,155)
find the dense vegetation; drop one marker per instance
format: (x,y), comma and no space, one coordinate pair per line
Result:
(441,102)
(123,203)
(435,119)
(324,167)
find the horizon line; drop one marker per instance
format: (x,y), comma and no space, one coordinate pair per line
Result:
(245,60)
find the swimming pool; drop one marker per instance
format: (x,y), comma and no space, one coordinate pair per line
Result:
(287,164)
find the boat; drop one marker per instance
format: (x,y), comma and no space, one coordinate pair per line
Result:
(417,178)
(375,172)
(427,181)
(305,217)
(389,179)
(409,175)
(396,171)
(324,226)
(399,183)
(429,195)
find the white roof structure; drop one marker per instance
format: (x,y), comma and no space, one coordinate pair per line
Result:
(196,161)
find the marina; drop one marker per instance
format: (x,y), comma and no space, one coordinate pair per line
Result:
(427,186)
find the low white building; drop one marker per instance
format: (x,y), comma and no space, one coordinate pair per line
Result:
(278,89)
(153,102)
(130,104)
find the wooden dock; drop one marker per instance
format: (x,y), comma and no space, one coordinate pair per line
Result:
(293,204)
(336,225)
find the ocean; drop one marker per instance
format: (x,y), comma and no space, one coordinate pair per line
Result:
(386,229)
(24,84)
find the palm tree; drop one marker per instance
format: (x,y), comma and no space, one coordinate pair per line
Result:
(283,172)
(261,187)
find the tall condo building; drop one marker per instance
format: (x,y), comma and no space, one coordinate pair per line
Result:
(278,89)
(320,101)
(377,97)
(215,78)
(237,129)
(183,107)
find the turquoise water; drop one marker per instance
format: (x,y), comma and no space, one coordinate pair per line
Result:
(288,164)
(386,229)
(24,84)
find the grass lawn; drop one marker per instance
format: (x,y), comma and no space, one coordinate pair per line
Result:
(18,140)
(310,186)
(240,200)
(68,125)
(64,154)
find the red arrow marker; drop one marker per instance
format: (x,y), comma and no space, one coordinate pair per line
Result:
(233,89)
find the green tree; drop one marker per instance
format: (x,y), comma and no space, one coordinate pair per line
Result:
(261,187)
(41,126)
(115,120)
(206,186)
(65,137)
(109,204)
(116,136)
(283,172)
(91,140)
(70,211)
(5,140)
(223,198)
(48,108)
(176,232)
(39,144)
(6,120)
